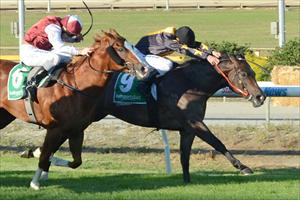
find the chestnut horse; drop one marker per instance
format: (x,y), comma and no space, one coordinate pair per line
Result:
(65,112)
(181,105)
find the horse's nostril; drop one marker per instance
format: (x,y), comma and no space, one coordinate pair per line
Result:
(260,97)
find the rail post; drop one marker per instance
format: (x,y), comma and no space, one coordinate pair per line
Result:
(167,151)
(49,6)
(268,101)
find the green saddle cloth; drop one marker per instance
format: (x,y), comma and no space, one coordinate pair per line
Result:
(126,90)
(17,82)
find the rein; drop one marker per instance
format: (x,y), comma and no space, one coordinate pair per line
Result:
(113,54)
(235,88)
(97,70)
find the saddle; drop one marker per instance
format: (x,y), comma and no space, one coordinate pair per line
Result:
(24,80)
(38,77)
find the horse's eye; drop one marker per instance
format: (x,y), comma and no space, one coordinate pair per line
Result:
(121,49)
(243,74)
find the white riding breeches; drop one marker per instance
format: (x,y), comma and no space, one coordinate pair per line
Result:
(35,57)
(162,65)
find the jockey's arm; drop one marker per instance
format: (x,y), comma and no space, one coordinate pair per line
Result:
(204,52)
(204,48)
(184,49)
(54,35)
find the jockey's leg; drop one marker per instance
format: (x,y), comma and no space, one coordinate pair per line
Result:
(157,66)
(35,57)
(162,65)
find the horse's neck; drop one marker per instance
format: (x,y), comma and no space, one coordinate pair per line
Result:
(84,74)
(203,77)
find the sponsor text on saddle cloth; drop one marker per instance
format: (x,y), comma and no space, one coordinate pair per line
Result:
(17,80)
(126,90)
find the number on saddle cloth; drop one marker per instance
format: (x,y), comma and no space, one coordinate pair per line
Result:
(126,90)
(17,80)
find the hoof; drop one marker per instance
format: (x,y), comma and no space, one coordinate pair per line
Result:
(27,154)
(247,171)
(44,176)
(35,186)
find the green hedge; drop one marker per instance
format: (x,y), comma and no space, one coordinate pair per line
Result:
(230,48)
(288,55)
(234,48)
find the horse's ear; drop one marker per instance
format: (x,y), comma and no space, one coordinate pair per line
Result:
(97,37)
(114,33)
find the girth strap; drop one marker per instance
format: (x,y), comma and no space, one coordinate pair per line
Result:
(29,109)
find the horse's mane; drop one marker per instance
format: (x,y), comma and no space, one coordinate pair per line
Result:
(98,38)
(190,63)
(110,34)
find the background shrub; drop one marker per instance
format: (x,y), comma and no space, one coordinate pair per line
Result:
(288,55)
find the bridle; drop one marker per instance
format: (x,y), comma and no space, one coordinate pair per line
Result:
(244,93)
(113,54)
(115,57)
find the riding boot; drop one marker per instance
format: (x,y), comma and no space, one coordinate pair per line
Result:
(146,82)
(33,83)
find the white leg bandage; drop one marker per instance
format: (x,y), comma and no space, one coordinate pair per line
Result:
(34,184)
(59,162)
(37,153)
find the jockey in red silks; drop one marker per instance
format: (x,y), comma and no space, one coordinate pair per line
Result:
(44,43)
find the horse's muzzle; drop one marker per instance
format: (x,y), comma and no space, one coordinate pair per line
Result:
(257,100)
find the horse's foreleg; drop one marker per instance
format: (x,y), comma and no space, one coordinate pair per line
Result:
(5,118)
(52,142)
(75,144)
(186,141)
(206,135)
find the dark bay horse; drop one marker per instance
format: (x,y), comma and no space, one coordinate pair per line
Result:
(181,105)
(65,113)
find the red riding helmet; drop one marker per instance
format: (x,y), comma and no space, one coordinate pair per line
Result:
(72,24)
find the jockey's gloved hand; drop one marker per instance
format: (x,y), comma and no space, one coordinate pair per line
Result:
(78,38)
(212,60)
(216,54)
(86,51)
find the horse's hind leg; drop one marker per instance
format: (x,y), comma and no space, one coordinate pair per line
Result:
(5,118)
(186,141)
(206,135)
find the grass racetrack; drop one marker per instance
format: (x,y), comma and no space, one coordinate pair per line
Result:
(122,161)
(242,26)
(111,176)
